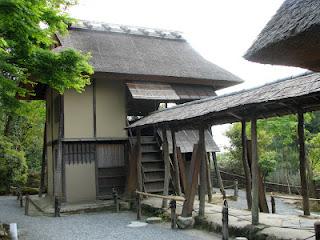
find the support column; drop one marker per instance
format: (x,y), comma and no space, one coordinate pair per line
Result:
(203,172)
(245,163)
(175,162)
(165,150)
(58,181)
(255,173)
(139,166)
(43,161)
(209,183)
(216,168)
(303,166)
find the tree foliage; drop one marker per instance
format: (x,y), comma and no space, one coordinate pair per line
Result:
(28,31)
(277,144)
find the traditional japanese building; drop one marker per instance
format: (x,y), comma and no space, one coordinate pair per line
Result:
(135,70)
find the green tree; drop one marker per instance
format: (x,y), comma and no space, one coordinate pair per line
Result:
(27,37)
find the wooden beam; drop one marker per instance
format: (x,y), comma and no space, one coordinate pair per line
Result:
(182,170)
(43,160)
(246,163)
(217,171)
(192,182)
(303,166)
(175,163)
(165,151)
(139,164)
(203,171)
(208,175)
(255,173)
(58,191)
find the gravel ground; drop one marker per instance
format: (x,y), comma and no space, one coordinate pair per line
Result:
(91,226)
(281,206)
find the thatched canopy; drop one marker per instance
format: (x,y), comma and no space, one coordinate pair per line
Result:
(291,38)
(274,99)
(144,54)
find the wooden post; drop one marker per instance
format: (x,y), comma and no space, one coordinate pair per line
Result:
(203,172)
(216,168)
(57,207)
(246,163)
(173,206)
(225,221)
(193,183)
(115,199)
(209,183)
(255,173)
(303,166)
(26,207)
(175,162)
(273,205)
(236,190)
(182,170)
(317,230)
(43,161)
(139,165)
(165,150)
(138,198)
(58,191)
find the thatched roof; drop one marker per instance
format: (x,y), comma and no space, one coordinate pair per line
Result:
(273,99)
(145,53)
(291,37)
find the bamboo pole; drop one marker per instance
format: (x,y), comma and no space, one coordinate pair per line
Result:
(255,174)
(203,171)
(175,162)
(303,166)
(245,163)
(165,150)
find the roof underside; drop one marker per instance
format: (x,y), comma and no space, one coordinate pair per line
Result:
(169,92)
(185,139)
(145,55)
(273,99)
(291,37)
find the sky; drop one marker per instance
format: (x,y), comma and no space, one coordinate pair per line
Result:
(220,30)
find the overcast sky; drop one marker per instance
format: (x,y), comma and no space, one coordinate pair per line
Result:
(221,31)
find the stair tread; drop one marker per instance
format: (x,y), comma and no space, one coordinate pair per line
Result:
(156,190)
(154,180)
(151,160)
(153,170)
(150,150)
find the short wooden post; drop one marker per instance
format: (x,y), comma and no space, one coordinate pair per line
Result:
(255,173)
(26,207)
(273,205)
(138,199)
(317,230)
(246,163)
(225,221)
(175,162)
(165,149)
(236,188)
(116,199)
(57,207)
(173,206)
(303,166)
(21,198)
(203,171)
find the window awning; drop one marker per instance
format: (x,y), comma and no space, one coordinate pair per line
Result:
(169,92)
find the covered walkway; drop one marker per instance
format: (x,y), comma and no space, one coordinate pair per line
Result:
(295,95)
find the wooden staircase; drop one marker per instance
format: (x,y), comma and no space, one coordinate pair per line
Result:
(152,165)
